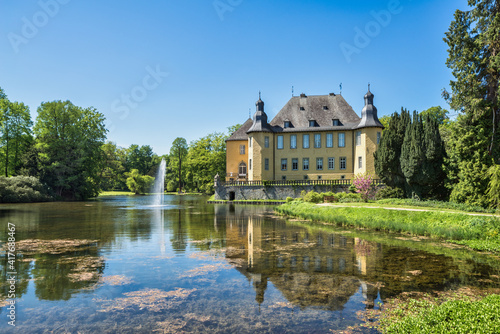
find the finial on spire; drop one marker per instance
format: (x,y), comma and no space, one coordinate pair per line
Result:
(249,112)
(292,91)
(259,94)
(340,88)
(368,86)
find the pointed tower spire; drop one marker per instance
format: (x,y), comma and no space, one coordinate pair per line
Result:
(369,113)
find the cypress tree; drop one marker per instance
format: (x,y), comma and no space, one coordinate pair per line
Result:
(435,153)
(413,157)
(387,156)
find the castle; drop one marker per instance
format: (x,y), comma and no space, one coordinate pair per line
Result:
(312,138)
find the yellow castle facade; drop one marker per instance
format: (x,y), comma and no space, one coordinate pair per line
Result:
(312,138)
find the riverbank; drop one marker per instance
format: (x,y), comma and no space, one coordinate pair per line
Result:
(476,232)
(129,193)
(454,311)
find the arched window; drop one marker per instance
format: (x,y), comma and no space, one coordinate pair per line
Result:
(242,169)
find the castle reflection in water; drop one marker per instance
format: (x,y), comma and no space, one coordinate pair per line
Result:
(321,268)
(318,269)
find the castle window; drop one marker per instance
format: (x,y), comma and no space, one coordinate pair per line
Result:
(317,140)
(342,139)
(305,141)
(284,163)
(283,178)
(343,162)
(250,164)
(302,108)
(312,123)
(266,142)
(336,122)
(280,142)
(379,134)
(325,107)
(242,170)
(295,164)
(329,140)
(360,162)
(305,164)
(331,163)
(358,138)
(319,163)
(266,164)
(242,149)
(319,177)
(293,141)
(250,142)
(305,177)
(287,124)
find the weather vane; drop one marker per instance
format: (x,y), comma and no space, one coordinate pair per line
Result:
(340,88)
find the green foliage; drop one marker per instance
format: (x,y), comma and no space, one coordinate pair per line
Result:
(313,197)
(139,184)
(474,145)
(475,232)
(435,204)
(389,192)
(458,316)
(437,114)
(289,199)
(15,135)
(205,159)
(411,154)
(493,191)
(176,169)
(23,189)
(112,175)
(69,141)
(141,158)
(388,154)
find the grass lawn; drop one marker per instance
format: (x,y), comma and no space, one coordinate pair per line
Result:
(477,232)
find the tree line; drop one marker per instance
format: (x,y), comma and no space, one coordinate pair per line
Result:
(64,155)
(433,157)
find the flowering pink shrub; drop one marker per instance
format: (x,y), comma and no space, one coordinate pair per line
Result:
(364,186)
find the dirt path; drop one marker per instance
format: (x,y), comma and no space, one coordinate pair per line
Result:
(406,209)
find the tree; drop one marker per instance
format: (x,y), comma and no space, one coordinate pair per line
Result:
(364,186)
(413,156)
(493,191)
(69,141)
(112,175)
(15,134)
(438,114)
(233,128)
(474,57)
(388,154)
(141,158)
(137,183)
(178,153)
(206,158)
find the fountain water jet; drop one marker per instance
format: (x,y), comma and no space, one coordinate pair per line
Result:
(159,186)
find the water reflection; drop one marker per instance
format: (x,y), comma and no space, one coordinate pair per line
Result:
(240,264)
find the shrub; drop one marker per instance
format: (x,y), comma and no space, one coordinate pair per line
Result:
(313,197)
(389,192)
(23,189)
(289,199)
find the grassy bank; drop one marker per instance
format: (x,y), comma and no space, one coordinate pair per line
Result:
(477,232)
(461,314)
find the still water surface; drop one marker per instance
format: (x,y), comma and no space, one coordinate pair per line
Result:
(118,265)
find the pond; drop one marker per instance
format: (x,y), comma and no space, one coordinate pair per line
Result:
(119,265)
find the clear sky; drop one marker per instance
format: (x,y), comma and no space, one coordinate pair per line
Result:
(185,68)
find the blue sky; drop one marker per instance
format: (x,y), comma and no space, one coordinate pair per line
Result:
(164,69)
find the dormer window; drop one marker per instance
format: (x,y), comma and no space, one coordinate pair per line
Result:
(312,123)
(302,108)
(287,124)
(336,122)
(325,107)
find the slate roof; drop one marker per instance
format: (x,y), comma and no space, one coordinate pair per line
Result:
(241,133)
(321,108)
(369,113)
